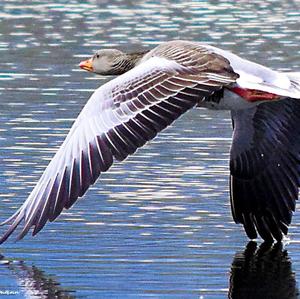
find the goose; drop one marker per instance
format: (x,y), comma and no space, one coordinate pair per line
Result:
(151,89)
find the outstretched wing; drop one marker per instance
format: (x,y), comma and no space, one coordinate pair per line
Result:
(120,117)
(265,167)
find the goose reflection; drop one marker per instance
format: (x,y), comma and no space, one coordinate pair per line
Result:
(262,272)
(35,283)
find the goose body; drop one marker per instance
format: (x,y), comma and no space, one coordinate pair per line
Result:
(154,88)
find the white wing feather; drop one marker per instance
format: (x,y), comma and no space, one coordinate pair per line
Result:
(259,77)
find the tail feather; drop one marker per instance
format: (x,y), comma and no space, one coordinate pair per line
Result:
(295,79)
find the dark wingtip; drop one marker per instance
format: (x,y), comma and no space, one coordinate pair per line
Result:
(17,219)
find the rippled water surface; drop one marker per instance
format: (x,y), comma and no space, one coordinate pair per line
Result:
(159,224)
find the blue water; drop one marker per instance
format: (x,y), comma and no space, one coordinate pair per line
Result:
(159,224)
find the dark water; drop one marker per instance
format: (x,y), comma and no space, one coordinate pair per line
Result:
(158,225)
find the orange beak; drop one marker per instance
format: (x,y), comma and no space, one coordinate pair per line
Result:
(87,65)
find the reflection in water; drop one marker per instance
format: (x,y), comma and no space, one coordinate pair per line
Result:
(265,272)
(34,283)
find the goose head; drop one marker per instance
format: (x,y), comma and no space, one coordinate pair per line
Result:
(112,62)
(105,62)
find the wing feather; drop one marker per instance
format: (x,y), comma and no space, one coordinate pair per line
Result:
(265,167)
(120,117)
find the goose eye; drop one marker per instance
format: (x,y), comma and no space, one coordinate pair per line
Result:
(97,55)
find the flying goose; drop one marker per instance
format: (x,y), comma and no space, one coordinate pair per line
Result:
(154,88)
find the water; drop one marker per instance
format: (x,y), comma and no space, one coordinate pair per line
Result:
(159,224)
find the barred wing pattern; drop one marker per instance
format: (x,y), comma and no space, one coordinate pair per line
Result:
(265,167)
(120,117)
